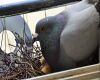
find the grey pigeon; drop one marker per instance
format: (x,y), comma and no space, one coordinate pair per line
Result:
(69,37)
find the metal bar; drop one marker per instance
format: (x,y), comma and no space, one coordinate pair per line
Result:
(26,6)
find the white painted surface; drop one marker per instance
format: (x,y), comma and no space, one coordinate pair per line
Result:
(82,73)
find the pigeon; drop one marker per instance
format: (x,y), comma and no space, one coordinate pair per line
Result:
(70,37)
(49,30)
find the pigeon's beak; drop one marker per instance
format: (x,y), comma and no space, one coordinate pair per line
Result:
(35,37)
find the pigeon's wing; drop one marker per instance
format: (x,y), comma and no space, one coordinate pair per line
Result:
(79,37)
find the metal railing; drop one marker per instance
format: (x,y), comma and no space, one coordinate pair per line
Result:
(26,6)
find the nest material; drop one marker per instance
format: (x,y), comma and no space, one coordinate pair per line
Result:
(24,70)
(27,65)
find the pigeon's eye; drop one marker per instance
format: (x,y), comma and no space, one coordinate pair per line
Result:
(43,29)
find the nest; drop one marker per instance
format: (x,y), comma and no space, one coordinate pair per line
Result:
(23,71)
(23,64)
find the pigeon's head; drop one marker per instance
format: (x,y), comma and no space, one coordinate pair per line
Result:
(44,27)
